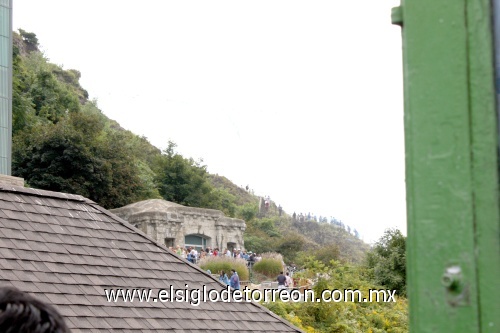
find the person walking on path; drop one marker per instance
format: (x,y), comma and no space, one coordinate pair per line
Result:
(281,281)
(223,277)
(289,281)
(234,282)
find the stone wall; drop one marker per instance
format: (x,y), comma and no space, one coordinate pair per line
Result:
(168,223)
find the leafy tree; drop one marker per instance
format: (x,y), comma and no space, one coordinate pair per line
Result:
(51,99)
(247,211)
(290,245)
(77,155)
(57,158)
(182,180)
(257,244)
(221,199)
(29,37)
(388,261)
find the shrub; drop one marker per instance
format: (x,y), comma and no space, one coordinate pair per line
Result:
(268,266)
(226,264)
(257,244)
(272,255)
(247,212)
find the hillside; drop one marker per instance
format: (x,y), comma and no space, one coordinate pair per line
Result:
(63,142)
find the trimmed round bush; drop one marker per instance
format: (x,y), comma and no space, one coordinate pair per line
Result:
(226,264)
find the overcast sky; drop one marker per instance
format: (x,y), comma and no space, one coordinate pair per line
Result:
(300,100)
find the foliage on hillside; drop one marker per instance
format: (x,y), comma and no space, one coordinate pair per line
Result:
(387,261)
(383,273)
(242,196)
(297,240)
(348,317)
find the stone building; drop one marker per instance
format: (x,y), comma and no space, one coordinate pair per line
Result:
(173,224)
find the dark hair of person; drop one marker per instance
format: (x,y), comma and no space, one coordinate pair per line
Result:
(22,313)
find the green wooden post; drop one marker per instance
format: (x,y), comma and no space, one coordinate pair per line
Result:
(451,166)
(5,86)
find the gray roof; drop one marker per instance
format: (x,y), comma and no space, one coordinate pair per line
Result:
(65,249)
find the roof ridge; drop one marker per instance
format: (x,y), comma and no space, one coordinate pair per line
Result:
(44,193)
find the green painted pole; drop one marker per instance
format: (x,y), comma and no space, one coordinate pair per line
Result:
(5,86)
(451,166)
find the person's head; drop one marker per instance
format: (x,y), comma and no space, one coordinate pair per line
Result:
(22,313)
(287,273)
(222,273)
(281,273)
(233,271)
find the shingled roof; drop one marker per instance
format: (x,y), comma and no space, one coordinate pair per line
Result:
(64,249)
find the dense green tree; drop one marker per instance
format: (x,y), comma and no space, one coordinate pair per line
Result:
(257,243)
(221,199)
(290,246)
(29,37)
(77,155)
(247,211)
(387,259)
(182,180)
(57,158)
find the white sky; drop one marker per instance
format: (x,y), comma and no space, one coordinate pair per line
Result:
(301,100)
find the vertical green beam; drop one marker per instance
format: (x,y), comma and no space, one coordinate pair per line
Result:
(5,86)
(485,169)
(451,166)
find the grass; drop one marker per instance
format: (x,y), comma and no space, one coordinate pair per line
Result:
(269,267)
(217,264)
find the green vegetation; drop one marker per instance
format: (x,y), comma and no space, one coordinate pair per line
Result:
(226,264)
(387,261)
(348,317)
(270,265)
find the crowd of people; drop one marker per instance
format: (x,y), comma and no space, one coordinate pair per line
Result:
(194,255)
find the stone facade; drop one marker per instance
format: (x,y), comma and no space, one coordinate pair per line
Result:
(173,224)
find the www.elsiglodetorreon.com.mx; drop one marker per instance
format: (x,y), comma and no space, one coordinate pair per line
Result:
(195,296)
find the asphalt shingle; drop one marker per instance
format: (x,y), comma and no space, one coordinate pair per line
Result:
(66,250)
